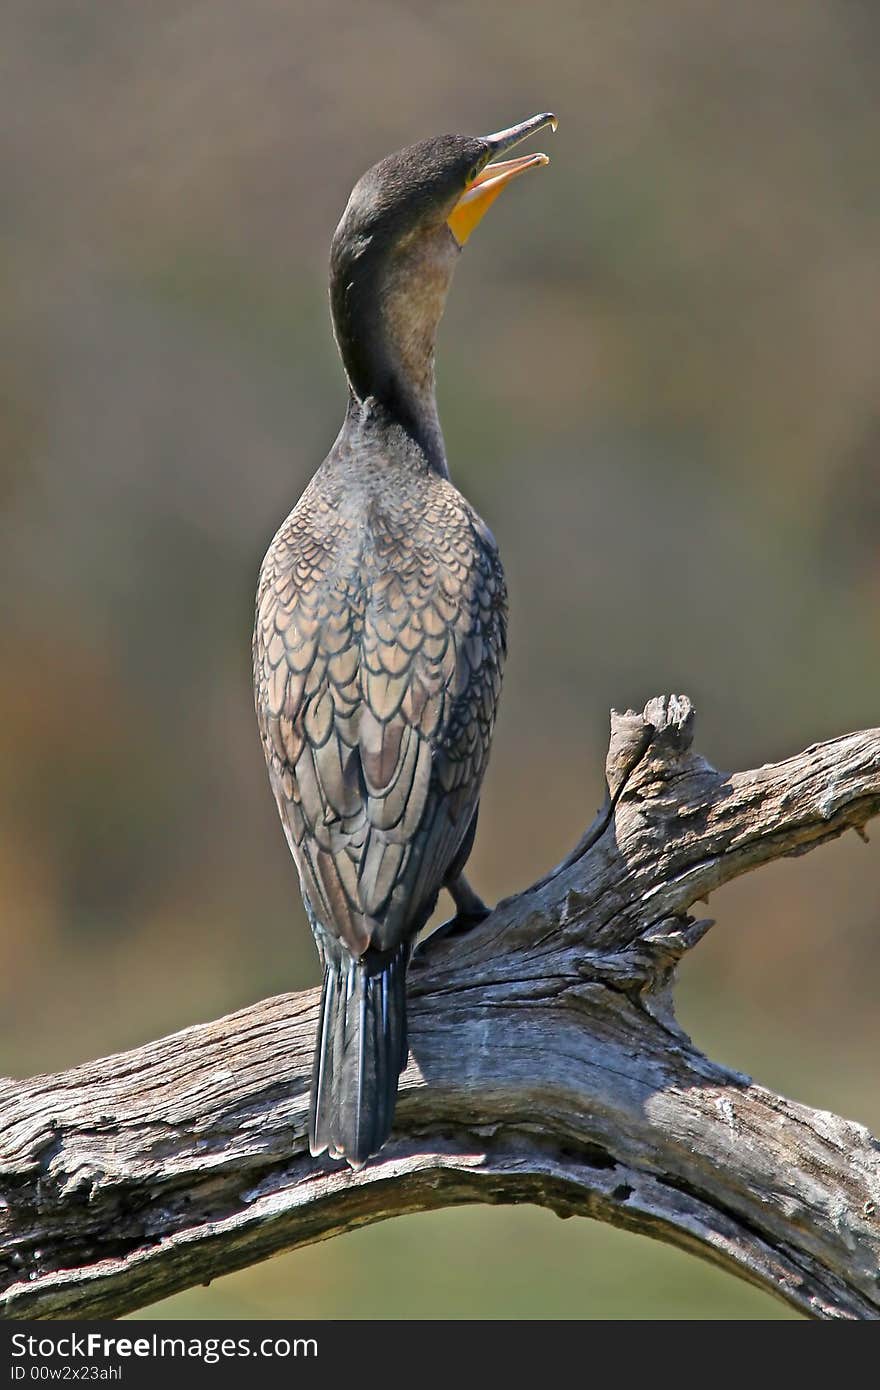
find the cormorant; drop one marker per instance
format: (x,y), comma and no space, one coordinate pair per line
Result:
(380,633)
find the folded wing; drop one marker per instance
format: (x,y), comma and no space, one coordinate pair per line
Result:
(377,674)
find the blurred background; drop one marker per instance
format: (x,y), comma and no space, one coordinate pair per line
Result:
(659,378)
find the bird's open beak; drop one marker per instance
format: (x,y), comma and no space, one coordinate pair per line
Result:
(479,195)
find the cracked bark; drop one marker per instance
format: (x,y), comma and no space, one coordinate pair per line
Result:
(546,1067)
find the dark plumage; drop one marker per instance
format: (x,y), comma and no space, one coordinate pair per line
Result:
(380,636)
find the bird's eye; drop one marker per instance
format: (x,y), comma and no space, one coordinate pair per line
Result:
(473,173)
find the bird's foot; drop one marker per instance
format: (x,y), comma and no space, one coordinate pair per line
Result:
(458,925)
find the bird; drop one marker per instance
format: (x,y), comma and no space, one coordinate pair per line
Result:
(381,633)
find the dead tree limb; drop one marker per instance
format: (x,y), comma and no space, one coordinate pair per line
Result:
(546,1067)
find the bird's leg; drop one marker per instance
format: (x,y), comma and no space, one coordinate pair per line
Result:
(470,911)
(468,904)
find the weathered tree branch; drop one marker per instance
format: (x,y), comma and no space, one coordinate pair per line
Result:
(546,1067)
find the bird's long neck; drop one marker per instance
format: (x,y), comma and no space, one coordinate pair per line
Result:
(386,312)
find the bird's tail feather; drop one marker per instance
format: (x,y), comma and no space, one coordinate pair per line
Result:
(360,1052)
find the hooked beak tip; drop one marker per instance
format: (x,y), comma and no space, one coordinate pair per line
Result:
(504,140)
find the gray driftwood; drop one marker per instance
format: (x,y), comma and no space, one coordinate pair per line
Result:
(546,1067)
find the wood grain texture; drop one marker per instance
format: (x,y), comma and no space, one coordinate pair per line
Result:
(546,1067)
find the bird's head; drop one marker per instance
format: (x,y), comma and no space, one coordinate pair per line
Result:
(448,182)
(393,253)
